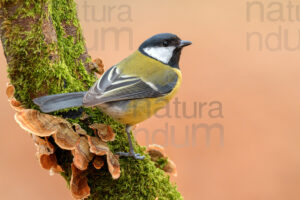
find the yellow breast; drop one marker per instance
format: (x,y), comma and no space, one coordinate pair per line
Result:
(139,110)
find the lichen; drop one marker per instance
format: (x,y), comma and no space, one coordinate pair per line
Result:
(38,67)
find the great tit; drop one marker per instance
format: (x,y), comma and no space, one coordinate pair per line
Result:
(133,90)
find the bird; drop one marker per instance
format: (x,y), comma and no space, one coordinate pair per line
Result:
(132,90)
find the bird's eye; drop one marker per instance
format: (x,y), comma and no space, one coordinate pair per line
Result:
(165,43)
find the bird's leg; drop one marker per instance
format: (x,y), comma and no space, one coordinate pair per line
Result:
(131,152)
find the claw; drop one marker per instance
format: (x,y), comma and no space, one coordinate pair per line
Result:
(138,157)
(130,154)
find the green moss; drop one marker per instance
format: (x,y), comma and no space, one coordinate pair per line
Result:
(33,57)
(34,72)
(161,162)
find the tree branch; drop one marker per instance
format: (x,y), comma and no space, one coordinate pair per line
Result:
(46,54)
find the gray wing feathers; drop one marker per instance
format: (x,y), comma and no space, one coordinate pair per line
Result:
(141,90)
(113,86)
(56,102)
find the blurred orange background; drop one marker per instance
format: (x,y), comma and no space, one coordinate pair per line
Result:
(260,158)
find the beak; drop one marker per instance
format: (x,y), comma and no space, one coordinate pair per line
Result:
(184,43)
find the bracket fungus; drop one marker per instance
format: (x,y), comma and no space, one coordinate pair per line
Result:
(49,162)
(104,131)
(79,130)
(10,91)
(65,137)
(79,184)
(100,66)
(37,123)
(82,154)
(157,153)
(83,147)
(170,168)
(113,165)
(97,146)
(98,162)
(45,154)
(100,148)
(43,145)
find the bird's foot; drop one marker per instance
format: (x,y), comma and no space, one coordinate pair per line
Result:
(131,154)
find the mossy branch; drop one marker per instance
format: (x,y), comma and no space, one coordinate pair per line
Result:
(46,54)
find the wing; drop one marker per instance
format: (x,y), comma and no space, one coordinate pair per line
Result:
(113,86)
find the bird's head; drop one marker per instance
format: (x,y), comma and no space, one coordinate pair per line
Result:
(164,47)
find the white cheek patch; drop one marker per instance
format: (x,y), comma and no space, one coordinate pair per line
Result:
(163,54)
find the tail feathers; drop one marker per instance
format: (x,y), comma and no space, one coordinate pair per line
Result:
(56,102)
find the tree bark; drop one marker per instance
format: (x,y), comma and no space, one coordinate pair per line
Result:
(46,54)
